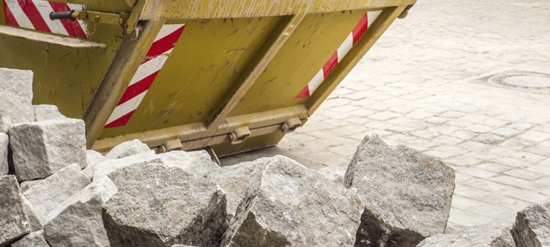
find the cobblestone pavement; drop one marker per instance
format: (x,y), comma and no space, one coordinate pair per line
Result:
(415,88)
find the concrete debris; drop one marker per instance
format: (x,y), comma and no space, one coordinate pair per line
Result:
(13,220)
(407,194)
(287,204)
(488,235)
(128,148)
(42,148)
(46,112)
(34,239)
(14,110)
(77,221)
(162,206)
(532,226)
(52,191)
(4,142)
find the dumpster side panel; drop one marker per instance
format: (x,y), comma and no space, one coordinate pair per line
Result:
(204,62)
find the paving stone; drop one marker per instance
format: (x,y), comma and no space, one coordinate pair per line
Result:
(489,139)
(494,167)
(520,173)
(463,134)
(526,195)
(469,192)
(476,172)
(447,140)
(521,126)
(528,157)
(479,128)
(540,150)
(465,218)
(506,132)
(534,136)
(516,182)
(512,162)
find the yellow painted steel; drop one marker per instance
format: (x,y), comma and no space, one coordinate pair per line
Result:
(237,66)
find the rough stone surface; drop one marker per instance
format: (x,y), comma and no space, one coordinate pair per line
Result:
(34,239)
(4,142)
(52,191)
(92,159)
(14,110)
(407,194)
(162,206)
(34,220)
(16,82)
(46,112)
(532,226)
(77,221)
(235,179)
(113,168)
(26,185)
(287,204)
(494,234)
(198,162)
(42,148)
(127,149)
(13,220)
(334,173)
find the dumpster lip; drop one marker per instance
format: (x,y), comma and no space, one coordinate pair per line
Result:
(49,38)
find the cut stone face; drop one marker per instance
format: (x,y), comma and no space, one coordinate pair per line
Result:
(52,191)
(34,239)
(46,112)
(334,173)
(407,194)
(42,148)
(113,168)
(16,82)
(161,206)
(77,221)
(198,162)
(489,235)
(92,159)
(13,220)
(532,226)
(14,110)
(287,204)
(128,148)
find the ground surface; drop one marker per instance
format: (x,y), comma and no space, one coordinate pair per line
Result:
(416,87)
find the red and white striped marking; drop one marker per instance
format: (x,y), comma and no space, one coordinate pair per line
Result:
(145,75)
(35,14)
(352,38)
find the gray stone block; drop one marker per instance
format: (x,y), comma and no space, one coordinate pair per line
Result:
(162,206)
(112,168)
(16,82)
(26,185)
(13,220)
(77,221)
(4,142)
(14,110)
(92,159)
(198,162)
(287,204)
(532,226)
(489,235)
(334,173)
(34,239)
(128,148)
(34,220)
(407,194)
(235,179)
(52,191)
(42,148)
(46,112)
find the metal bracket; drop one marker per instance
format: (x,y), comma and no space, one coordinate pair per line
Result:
(172,145)
(291,125)
(239,135)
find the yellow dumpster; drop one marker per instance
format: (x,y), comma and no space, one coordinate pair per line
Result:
(230,76)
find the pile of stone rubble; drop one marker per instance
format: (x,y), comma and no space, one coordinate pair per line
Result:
(54,192)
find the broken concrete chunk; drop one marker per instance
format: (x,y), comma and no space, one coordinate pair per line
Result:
(197,162)
(235,179)
(334,173)
(14,110)
(42,148)
(489,235)
(127,149)
(287,204)
(4,142)
(532,226)
(13,220)
(113,167)
(77,221)
(92,159)
(46,112)
(34,239)
(52,191)
(162,206)
(16,82)
(407,194)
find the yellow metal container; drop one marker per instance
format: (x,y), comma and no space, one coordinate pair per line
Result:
(190,74)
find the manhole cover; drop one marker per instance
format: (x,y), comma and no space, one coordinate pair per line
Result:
(519,80)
